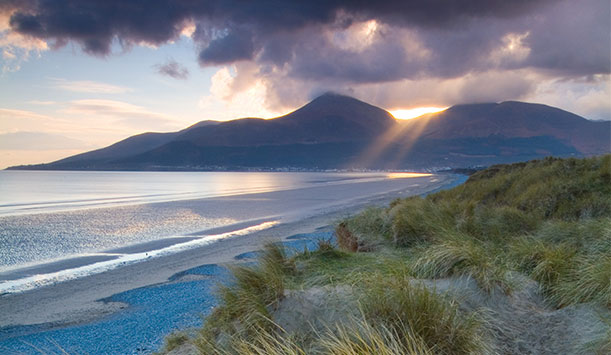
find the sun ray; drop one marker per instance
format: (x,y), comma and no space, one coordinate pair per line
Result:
(408,114)
(401,136)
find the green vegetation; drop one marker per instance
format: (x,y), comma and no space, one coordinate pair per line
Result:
(549,220)
(246,304)
(405,308)
(174,340)
(361,337)
(461,255)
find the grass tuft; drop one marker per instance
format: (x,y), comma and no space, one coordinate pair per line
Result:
(361,337)
(417,220)
(246,304)
(588,281)
(398,305)
(463,256)
(266,342)
(274,259)
(174,340)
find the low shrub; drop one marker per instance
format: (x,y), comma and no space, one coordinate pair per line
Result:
(346,240)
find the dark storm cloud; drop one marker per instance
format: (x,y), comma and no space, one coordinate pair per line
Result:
(235,45)
(94,23)
(459,36)
(173,69)
(573,37)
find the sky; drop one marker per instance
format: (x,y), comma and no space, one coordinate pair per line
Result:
(77,75)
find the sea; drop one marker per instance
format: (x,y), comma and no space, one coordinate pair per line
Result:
(59,225)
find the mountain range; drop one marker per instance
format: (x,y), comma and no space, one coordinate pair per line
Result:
(340,132)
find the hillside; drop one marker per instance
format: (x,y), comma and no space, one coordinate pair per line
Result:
(517,119)
(335,131)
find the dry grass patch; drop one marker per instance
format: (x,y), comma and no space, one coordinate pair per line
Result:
(436,319)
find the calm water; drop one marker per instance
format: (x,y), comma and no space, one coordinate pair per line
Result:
(84,222)
(30,192)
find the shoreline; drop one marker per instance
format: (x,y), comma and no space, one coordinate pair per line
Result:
(84,300)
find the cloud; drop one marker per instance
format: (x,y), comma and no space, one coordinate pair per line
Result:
(230,30)
(572,39)
(87,86)
(16,48)
(6,113)
(11,120)
(290,50)
(15,120)
(23,157)
(345,40)
(123,114)
(590,98)
(41,103)
(236,45)
(173,69)
(233,96)
(95,24)
(39,141)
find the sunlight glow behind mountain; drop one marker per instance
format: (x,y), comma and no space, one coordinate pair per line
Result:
(415,112)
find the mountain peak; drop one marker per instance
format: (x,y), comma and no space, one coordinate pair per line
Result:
(333,105)
(335,131)
(331,97)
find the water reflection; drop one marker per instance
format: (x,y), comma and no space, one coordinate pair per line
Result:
(406,175)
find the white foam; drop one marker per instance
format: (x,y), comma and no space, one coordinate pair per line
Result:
(35,281)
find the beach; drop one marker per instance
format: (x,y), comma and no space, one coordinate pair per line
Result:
(71,304)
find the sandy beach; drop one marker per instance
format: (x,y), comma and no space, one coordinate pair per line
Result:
(86,299)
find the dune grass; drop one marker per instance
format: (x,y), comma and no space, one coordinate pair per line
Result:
(246,304)
(398,304)
(463,256)
(600,346)
(398,317)
(335,267)
(262,341)
(549,219)
(567,189)
(571,260)
(361,337)
(174,340)
(358,337)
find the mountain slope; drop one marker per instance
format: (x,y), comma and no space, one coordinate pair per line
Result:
(328,118)
(517,119)
(133,145)
(335,131)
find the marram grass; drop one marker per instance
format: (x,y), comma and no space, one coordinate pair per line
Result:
(245,305)
(398,304)
(588,281)
(463,256)
(360,337)
(549,219)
